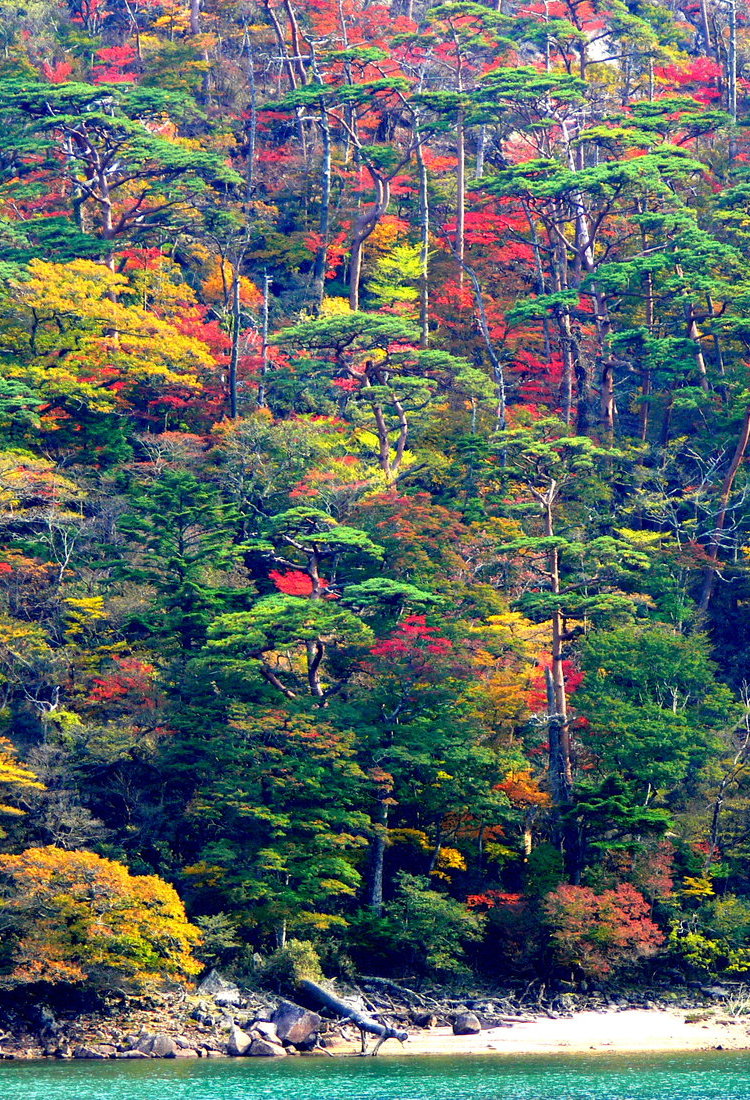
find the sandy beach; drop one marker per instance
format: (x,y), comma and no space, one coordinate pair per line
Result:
(631,1030)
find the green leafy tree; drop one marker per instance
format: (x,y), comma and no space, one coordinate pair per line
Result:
(277,811)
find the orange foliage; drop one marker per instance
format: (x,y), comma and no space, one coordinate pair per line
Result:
(74,917)
(522,789)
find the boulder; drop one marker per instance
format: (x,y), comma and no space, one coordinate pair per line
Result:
(261,1048)
(186,1052)
(423,1019)
(157,1046)
(239,1042)
(83,1051)
(132,1054)
(466,1023)
(223,992)
(213,983)
(294,1024)
(202,1014)
(266,1030)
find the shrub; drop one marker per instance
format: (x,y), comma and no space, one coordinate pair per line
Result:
(716,937)
(432,929)
(74,917)
(288,965)
(600,933)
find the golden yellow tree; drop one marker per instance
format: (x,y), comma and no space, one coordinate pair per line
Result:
(74,917)
(85,333)
(14,775)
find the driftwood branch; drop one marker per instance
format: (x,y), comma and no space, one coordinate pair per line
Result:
(365,1023)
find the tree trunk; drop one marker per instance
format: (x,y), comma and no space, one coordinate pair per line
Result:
(561,769)
(366,224)
(235,353)
(324,223)
(378,859)
(693,333)
(461,193)
(264,344)
(195,22)
(328,1000)
(424,254)
(709,576)
(646,371)
(732,776)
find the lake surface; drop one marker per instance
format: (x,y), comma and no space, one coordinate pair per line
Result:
(713,1076)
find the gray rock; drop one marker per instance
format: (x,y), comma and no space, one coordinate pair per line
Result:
(266,1030)
(466,1023)
(230,998)
(239,1042)
(222,991)
(261,1048)
(156,1046)
(87,1052)
(423,1019)
(202,1015)
(213,983)
(132,1054)
(186,1052)
(294,1024)
(49,1027)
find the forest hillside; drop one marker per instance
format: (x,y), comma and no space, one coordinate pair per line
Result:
(375,543)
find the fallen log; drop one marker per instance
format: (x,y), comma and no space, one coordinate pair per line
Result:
(365,1023)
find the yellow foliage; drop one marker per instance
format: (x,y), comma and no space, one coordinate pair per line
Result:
(385,236)
(96,332)
(218,283)
(32,485)
(335,307)
(82,613)
(697,887)
(450,859)
(413,837)
(76,917)
(24,648)
(14,774)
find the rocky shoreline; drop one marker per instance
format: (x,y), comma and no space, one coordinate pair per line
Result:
(219,1020)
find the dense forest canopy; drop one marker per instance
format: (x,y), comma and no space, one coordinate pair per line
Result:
(375,560)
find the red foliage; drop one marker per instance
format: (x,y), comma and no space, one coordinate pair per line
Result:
(700,77)
(599,933)
(292,583)
(132,680)
(413,637)
(537,701)
(296,583)
(112,65)
(57,73)
(492,899)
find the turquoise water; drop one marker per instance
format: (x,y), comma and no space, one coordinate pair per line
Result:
(714,1076)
